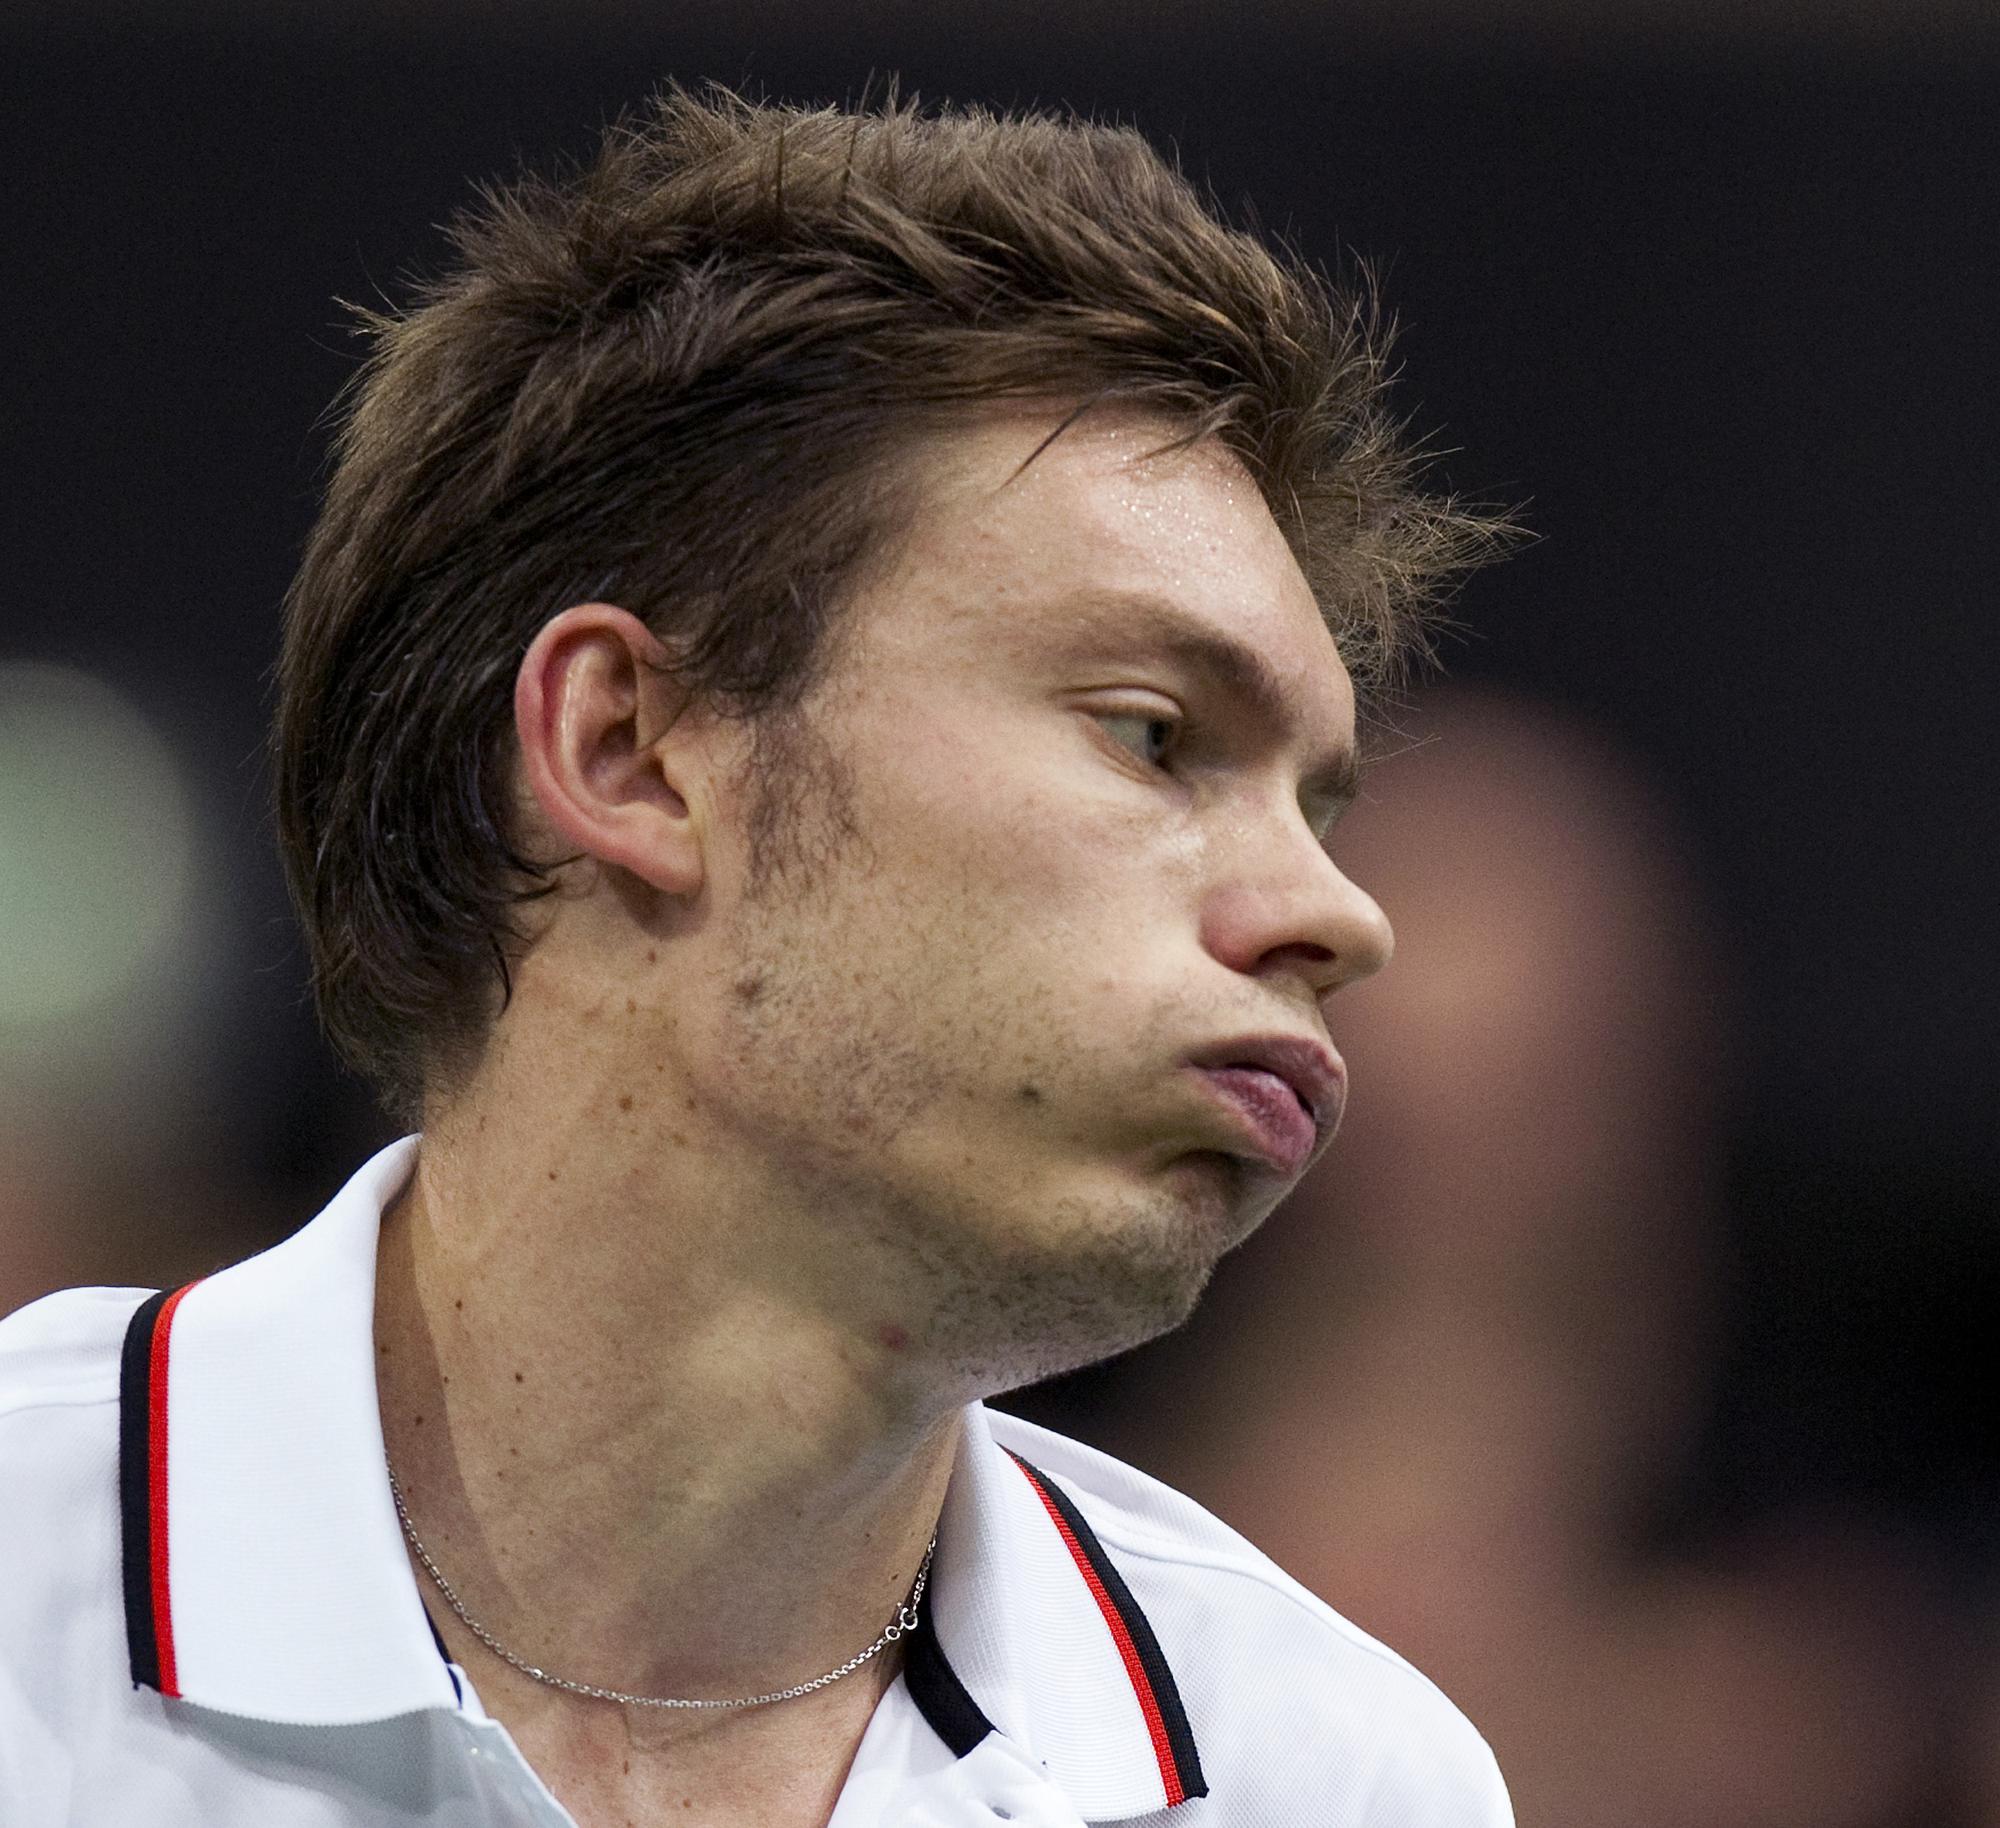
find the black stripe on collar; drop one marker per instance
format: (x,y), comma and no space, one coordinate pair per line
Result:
(444,1656)
(1179,1745)
(934,1686)
(135,1489)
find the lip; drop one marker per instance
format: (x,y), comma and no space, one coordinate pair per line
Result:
(1313,1073)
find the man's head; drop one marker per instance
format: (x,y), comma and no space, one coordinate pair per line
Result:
(1006,1031)
(706,379)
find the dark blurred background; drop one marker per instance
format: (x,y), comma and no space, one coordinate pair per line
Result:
(1622,1368)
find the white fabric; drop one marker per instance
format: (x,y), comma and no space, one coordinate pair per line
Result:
(319,1626)
(312,1692)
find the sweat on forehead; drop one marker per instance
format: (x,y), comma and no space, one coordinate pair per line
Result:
(1011,517)
(1111,561)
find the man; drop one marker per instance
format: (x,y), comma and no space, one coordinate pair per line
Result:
(807,730)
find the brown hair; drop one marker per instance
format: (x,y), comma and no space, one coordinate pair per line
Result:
(682,379)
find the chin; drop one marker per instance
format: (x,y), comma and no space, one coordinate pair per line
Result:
(1104,1277)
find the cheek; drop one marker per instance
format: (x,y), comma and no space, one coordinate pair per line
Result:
(1000,912)
(1049,845)
(1052,948)
(813,1043)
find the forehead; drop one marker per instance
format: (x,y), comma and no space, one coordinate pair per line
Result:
(1027,547)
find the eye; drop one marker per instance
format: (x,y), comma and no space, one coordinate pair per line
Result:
(1147,734)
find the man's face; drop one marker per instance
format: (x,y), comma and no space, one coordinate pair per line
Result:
(994,1012)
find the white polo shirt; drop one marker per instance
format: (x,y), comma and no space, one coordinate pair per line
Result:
(207,1618)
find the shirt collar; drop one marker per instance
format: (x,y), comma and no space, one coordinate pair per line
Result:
(265,1573)
(1031,1629)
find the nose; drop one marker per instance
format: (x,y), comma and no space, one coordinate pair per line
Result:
(1297,914)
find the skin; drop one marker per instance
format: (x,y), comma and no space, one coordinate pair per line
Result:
(783,1151)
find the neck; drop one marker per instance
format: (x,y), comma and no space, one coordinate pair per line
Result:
(642,1460)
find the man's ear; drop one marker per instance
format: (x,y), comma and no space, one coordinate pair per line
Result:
(597,713)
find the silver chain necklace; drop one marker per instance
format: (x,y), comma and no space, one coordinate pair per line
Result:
(900,1626)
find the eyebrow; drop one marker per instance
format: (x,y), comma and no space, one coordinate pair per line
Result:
(1333,781)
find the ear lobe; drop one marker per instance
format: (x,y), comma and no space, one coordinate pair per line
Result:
(593,708)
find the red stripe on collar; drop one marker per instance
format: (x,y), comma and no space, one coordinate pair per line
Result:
(142,1479)
(1145,1664)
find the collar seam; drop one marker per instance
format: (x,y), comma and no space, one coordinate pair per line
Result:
(40,1400)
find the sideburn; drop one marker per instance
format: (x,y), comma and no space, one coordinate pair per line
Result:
(800,802)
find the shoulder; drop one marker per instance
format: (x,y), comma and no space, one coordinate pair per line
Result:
(63,1350)
(61,1613)
(59,1382)
(1299,1715)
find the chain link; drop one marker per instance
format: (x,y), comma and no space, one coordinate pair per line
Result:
(900,1626)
